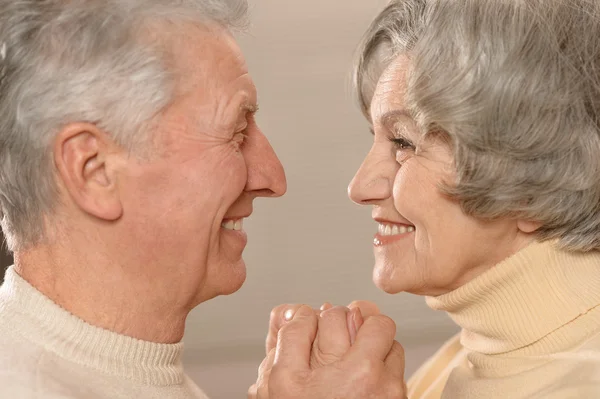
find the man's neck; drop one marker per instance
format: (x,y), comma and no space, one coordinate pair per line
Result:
(103,294)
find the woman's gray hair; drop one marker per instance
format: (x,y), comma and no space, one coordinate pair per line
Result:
(79,61)
(515,85)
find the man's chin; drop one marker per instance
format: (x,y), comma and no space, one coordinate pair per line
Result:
(228,278)
(238,277)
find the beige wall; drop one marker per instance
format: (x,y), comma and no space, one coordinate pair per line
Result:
(313,245)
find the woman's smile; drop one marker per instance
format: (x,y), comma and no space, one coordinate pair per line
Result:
(389,233)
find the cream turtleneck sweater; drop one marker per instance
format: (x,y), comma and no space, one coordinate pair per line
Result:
(46,352)
(530,329)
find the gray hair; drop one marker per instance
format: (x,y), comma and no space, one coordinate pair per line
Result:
(79,61)
(515,85)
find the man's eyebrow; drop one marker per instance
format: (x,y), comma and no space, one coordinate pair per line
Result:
(249,108)
(246,109)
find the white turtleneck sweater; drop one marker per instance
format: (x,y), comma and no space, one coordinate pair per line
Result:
(46,352)
(530,329)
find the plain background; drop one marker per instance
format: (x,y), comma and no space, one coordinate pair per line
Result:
(313,245)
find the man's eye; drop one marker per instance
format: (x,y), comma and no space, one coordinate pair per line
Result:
(239,138)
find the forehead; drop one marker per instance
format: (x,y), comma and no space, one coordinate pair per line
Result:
(390,91)
(207,58)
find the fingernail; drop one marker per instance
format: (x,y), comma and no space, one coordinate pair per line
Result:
(357,322)
(326,306)
(351,326)
(288,315)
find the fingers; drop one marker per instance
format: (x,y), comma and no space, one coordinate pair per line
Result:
(374,339)
(279,316)
(356,321)
(367,308)
(395,361)
(261,387)
(252,392)
(295,340)
(333,336)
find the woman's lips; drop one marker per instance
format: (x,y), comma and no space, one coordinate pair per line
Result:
(391,232)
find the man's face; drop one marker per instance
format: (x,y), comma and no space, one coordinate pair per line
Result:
(186,204)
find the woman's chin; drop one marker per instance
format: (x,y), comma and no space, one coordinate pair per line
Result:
(386,278)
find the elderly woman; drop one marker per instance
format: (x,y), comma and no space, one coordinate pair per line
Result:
(129,157)
(484,177)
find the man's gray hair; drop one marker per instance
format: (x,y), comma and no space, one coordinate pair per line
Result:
(515,85)
(79,61)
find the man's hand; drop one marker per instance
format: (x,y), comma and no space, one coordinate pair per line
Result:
(332,353)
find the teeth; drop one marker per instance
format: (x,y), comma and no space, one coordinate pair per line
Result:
(394,230)
(236,225)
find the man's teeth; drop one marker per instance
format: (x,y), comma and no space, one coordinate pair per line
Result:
(394,230)
(236,225)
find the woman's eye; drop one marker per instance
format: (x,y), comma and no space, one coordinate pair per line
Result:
(403,149)
(402,144)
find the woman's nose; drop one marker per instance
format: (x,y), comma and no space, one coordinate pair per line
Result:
(371,182)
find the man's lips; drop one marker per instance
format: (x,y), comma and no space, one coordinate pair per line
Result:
(235,223)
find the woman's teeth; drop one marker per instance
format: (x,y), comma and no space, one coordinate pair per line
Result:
(236,225)
(394,230)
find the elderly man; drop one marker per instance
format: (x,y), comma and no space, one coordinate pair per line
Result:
(130,157)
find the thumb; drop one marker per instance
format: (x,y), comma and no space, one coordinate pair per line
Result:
(295,340)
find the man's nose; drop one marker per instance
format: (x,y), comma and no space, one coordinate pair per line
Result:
(370,183)
(266,177)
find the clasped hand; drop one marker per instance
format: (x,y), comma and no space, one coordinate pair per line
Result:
(331,353)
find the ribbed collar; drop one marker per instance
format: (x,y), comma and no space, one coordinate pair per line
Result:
(524,298)
(28,313)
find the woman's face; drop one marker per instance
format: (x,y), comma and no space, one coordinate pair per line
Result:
(425,243)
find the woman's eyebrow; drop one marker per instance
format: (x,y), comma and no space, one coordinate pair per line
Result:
(391,118)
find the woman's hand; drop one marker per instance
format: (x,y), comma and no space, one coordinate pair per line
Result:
(330,353)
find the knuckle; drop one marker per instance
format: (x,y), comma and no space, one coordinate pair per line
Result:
(288,329)
(252,392)
(297,327)
(277,377)
(277,312)
(305,311)
(335,312)
(384,323)
(398,349)
(368,370)
(285,384)
(395,390)
(320,358)
(265,366)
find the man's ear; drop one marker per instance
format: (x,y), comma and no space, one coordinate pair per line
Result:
(528,226)
(81,156)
